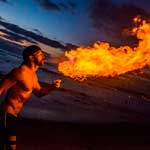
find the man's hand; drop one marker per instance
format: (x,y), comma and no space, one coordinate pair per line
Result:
(56,83)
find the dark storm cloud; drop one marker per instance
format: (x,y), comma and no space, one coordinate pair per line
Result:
(16,37)
(5,1)
(112,19)
(38,32)
(50,5)
(28,34)
(145,4)
(72,5)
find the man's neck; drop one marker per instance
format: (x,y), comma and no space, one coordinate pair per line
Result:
(31,66)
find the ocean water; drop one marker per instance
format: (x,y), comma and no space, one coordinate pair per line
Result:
(124,98)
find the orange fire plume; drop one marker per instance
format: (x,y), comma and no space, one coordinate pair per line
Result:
(103,60)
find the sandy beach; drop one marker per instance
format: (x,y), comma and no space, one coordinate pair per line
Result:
(45,135)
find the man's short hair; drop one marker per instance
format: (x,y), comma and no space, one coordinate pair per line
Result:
(30,50)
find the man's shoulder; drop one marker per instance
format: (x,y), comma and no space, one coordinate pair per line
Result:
(17,72)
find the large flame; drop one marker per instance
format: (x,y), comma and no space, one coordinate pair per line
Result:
(105,60)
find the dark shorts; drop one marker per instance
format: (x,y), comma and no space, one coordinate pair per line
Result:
(8,125)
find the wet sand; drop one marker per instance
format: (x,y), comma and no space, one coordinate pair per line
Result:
(46,135)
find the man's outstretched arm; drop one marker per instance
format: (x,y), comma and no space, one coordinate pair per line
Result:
(44,89)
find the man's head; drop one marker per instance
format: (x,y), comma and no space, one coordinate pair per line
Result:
(33,54)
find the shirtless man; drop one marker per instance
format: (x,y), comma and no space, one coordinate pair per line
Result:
(19,84)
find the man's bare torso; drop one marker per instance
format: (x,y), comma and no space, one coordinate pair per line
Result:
(25,81)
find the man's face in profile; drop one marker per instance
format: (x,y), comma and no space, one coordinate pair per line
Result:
(39,58)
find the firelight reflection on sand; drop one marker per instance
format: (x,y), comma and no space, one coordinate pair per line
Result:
(103,60)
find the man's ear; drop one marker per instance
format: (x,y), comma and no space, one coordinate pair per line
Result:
(31,58)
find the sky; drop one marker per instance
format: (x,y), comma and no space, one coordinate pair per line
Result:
(63,24)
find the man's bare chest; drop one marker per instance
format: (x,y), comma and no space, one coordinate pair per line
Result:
(28,82)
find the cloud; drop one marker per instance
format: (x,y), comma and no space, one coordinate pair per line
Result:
(72,4)
(5,1)
(15,38)
(111,19)
(59,6)
(29,35)
(142,4)
(38,32)
(48,4)
(70,7)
